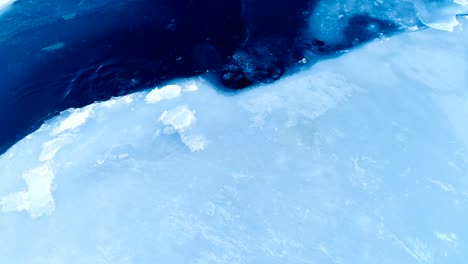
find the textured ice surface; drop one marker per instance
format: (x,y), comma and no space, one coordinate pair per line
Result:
(359,159)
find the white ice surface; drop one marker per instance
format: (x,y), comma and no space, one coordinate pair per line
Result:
(359,159)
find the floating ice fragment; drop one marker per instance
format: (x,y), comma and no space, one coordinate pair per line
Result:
(69,16)
(53,47)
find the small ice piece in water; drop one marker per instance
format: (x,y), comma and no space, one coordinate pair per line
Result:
(53,47)
(69,16)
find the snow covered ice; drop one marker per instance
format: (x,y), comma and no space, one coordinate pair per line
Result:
(358,159)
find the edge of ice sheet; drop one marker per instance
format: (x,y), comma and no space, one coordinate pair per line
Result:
(173,109)
(167,92)
(62,130)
